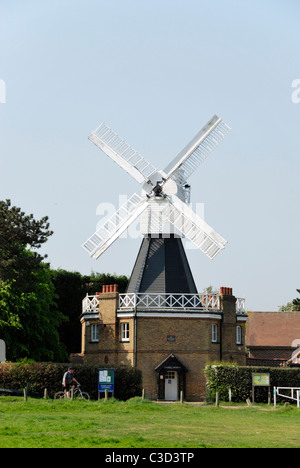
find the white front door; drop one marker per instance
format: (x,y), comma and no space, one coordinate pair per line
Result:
(171,386)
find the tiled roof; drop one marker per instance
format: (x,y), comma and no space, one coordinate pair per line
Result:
(273,329)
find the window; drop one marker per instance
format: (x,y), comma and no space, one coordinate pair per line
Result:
(214,333)
(94,333)
(125,331)
(238,335)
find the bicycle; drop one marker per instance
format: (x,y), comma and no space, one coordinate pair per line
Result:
(76,393)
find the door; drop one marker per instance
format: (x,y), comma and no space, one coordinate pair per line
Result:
(171,386)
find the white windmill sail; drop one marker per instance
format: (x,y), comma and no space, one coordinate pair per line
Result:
(122,153)
(187,161)
(112,229)
(163,202)
(186,221)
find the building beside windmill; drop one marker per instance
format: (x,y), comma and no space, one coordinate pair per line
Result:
(169,337)
(162,325)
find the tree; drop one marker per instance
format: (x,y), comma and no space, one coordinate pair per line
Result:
(291,306)
(296,302)
(95,282)
(18,232)
(70,291)
(29,319)
(9,303)
(28,314)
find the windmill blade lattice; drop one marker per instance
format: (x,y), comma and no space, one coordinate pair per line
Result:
(193,227)
(122,153)
(115,226)
(202,145)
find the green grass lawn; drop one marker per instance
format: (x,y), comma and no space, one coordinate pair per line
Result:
(143,424)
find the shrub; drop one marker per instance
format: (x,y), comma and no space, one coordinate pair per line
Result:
(128,381)
(222,376)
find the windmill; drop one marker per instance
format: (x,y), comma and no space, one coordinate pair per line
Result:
(163,205)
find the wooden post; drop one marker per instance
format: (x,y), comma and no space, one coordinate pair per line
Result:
(106,395)
(45,394)
(143,394)
(181,396)
(25,394)
(217,398)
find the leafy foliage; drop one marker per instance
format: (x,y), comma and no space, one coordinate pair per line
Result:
(18,233)
(29,320)
(291,306)
(296,302)
(28,314)
(222,376)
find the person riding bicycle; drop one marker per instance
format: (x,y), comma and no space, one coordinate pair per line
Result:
(68,380)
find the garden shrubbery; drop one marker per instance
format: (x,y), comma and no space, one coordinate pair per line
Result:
(221,377)
(128,380)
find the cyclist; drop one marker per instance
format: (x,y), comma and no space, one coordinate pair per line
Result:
(68,379)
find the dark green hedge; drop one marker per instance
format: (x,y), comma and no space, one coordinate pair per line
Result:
(128,380)
(221,377)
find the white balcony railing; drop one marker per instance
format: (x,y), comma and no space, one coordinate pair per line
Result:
(196,302)
(169,301)
(90,304)
(240,306)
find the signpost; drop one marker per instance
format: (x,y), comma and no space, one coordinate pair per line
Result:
(106,381)
(261,380)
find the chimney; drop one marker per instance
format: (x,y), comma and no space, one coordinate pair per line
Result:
(107,288)
(226,291)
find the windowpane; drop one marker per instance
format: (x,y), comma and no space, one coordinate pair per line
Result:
(238,335)
(94,333)
(214,333)
(125,331)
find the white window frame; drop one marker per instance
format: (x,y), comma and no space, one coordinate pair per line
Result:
(238,335)
(94,333)
(125,331)
(214,333)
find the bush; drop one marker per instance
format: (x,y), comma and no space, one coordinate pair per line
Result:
(220,377)
(128,380)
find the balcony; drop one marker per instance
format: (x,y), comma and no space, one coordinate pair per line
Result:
(181,302)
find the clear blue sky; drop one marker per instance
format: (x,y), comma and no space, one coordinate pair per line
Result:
(156,71)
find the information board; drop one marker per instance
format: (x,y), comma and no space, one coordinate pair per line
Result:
(106,380)
(260,380)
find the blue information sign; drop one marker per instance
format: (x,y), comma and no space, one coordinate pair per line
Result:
(106,380)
